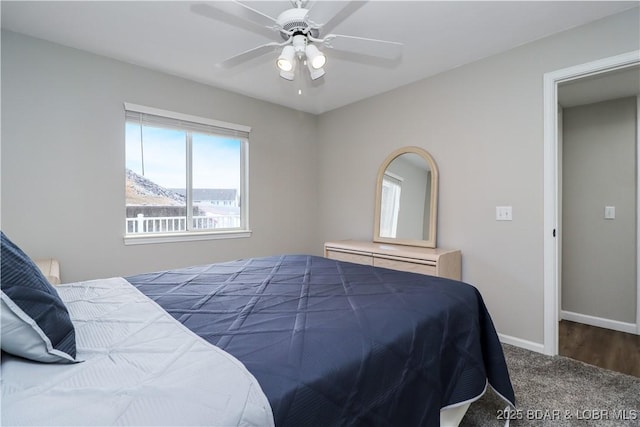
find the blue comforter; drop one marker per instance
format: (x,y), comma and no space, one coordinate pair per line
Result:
(341,344)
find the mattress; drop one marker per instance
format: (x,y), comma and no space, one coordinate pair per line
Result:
(334,343)
(140,367)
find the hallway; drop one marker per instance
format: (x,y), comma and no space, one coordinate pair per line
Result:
(617,351)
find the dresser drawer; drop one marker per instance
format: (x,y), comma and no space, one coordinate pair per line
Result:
(432,261)
(350,257)
(405,266)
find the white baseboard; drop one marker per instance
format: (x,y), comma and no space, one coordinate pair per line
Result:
(519,342)
(616,325)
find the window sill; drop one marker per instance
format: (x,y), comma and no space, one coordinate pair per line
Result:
(147,239)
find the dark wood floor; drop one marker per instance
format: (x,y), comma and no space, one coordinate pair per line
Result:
(617,351)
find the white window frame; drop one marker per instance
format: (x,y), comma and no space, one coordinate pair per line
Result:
(240,132)
(390,225)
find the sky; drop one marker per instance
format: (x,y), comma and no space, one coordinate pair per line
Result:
(216,159)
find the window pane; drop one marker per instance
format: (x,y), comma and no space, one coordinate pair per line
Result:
(156,179)
(216,181)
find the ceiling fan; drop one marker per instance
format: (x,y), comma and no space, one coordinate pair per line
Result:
(302,29)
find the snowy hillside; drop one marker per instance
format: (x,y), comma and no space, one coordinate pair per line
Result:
(142,191)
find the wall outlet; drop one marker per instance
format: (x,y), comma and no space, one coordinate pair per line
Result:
(504,213)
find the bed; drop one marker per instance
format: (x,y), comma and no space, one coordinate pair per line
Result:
(288,340)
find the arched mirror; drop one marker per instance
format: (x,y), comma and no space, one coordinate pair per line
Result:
(407,199)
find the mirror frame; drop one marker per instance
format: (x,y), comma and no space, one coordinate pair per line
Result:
(433,215)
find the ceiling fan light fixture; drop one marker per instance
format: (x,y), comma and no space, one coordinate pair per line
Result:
(315,73)
(315,58)
(301,35)
(286,60)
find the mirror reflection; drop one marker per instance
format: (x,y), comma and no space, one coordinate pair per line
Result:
(406,198)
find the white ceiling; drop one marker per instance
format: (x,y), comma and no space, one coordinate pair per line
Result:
(168,36)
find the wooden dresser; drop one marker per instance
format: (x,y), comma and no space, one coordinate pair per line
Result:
(431,261)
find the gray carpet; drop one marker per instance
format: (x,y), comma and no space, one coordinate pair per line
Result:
(558,391)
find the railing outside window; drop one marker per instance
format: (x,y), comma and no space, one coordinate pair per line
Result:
(142,224)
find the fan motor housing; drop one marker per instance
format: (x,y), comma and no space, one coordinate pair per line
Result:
(294,22)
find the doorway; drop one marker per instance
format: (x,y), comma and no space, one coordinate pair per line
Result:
(553,189)
(598,187)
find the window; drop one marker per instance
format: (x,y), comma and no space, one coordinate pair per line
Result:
(186,177)
(390,204)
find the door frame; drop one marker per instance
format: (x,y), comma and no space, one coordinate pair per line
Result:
(552,202)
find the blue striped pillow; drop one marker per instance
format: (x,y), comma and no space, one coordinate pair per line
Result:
(35,322)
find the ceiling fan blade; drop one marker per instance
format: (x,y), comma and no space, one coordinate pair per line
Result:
(249,54)
(328,14)
(238,14)
(364,46)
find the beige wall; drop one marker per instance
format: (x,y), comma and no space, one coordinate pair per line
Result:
(483,124)
(63,162)
(599,169)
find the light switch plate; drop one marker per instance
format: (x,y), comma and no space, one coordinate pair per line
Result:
(504,213)
(609,212)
